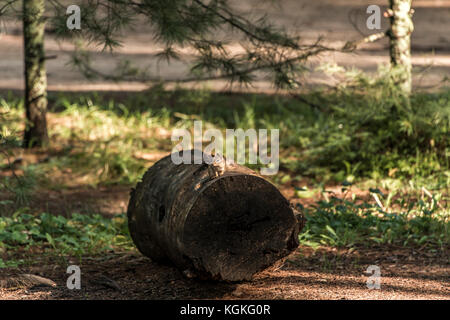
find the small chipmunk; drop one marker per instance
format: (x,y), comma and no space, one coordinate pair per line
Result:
(217,167)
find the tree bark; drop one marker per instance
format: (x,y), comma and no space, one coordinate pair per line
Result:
(35,75)
(224,227)
(400,14)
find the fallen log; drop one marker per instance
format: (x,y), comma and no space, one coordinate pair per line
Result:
(221,222)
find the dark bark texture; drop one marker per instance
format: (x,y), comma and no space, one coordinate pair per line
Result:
(35,75)
(227,226)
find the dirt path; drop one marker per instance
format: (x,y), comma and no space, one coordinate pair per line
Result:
(308,19)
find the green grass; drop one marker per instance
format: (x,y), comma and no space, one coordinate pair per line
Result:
(341,222)
(76,236)
(364,131)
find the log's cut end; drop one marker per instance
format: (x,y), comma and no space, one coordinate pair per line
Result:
(238,226)
(227,226)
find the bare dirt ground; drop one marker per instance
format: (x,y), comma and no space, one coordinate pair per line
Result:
(308,19)
(306,274)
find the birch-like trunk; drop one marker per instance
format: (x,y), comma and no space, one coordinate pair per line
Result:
(35,75)
(400,14)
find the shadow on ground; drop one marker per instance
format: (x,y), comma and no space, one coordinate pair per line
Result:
(306,274)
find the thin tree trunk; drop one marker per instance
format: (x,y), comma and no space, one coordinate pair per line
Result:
(402,26)
(35,76)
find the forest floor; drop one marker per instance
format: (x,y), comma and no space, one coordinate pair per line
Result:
(325,273)
(82,174)
(86,171)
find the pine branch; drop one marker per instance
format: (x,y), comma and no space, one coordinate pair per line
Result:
(353,45)
(6,5)
(232,20)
